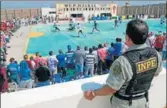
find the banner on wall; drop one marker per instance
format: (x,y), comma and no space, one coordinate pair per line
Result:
(114,9)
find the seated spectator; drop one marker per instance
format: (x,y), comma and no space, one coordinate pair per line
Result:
(109,57)
(69,56)
(62,63)
(79,62)
(13,71)
(52,63)
(89,62)
(42,75)
(25,74)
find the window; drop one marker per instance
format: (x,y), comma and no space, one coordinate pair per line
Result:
(73,9)
(89,8)
(66,5)
(52,12)
(86,9)
(77,15)
(92,9)
(67,9)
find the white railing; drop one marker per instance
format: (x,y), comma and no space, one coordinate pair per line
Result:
(70,95)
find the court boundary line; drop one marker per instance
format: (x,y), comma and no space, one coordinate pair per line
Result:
(27,41)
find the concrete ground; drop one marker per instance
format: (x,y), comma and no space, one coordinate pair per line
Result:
(18,43)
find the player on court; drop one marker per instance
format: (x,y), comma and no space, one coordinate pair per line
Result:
(116,23)
(95,27)
(56,26)
(79,28)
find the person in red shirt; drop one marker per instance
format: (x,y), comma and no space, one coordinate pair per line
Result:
(158,44)
(3,78)
(28,61)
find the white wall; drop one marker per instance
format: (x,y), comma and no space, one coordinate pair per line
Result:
(70,95)
(45,11)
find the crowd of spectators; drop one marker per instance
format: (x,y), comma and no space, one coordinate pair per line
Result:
(73,64)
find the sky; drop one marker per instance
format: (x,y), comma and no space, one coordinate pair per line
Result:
(39,4)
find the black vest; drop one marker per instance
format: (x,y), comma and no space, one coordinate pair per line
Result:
(144,63)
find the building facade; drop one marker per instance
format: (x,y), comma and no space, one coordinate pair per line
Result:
(85,10)
(150,10)
(49,12)
(7,14)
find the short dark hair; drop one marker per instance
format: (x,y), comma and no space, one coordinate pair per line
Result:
(12,59)
(100,46)
(90,50)
(50,53)
(37,53)
(112,44)
(86,48)
(137,30)
(117,39)
(78,47)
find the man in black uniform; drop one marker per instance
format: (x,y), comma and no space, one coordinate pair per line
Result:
(132,73)
(95,27)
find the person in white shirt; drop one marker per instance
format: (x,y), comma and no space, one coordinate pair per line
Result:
(124,48)
(52,63)
(150,40)
(79,28)
(56,26)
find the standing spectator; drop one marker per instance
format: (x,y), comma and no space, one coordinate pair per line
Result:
(164,49)
(109,57)
(25,74)
(42,74)
(158,44)
(3,79)
(37,59)
(33,65)
(102,53)
(13,71)
(150,40)
(96,59)
(62,63)
(124,48)
(43,60)
(89,63)
(52,63)
(69,56)
(117,48)
(86,50)
(79,61)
